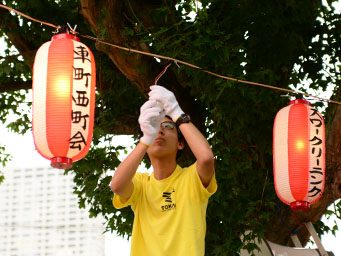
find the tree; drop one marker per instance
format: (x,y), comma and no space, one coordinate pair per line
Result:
(279,43)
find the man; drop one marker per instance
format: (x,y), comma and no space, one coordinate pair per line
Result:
(170,204)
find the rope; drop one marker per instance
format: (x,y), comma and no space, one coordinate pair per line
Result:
(176,61)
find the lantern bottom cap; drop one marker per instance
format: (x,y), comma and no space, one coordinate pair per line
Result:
(300,206)
(61,162)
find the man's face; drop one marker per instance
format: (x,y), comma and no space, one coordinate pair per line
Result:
(166,142)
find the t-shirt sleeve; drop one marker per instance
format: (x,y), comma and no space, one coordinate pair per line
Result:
(199,189)
(119,202)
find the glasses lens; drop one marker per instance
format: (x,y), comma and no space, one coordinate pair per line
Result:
(167,125)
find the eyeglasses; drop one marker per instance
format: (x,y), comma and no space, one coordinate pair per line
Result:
(168,125)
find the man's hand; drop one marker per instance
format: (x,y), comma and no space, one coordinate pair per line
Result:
(167,99)
(151,115)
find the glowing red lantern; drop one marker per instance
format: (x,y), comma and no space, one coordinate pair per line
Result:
(64,79)
(299,154)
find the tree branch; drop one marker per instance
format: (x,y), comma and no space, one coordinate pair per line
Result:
(14,86)
(10,24)
(139,69)
(114,26)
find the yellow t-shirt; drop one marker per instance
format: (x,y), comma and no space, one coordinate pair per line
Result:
(170,214)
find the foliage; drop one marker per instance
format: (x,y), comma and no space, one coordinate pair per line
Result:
(278,42)
(4,159)
(92,181)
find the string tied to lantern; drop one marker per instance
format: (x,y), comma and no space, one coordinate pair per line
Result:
(65,29)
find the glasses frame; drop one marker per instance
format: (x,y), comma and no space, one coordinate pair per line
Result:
(171,125)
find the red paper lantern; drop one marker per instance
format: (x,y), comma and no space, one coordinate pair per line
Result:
(299,154)
(64,79)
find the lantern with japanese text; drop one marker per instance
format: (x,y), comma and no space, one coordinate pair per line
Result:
(64,79)
(299,154)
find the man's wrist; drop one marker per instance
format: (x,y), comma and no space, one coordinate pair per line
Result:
(183,119)
(146,140)
(174,112)
(143,143)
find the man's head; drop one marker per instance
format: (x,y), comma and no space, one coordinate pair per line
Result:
(168,141)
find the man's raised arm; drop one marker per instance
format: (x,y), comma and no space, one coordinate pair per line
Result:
(150,118)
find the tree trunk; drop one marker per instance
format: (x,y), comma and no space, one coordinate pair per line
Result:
(141,70)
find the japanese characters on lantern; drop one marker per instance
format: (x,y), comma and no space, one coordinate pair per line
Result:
(299,154)
(64,78)
(81,93)
(317,145)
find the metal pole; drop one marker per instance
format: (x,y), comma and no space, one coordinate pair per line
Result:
(316,238)
(296,241)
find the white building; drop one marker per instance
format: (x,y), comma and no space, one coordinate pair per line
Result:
(39,216)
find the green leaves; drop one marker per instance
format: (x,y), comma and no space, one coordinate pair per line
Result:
(4,159)
(14,111)
(92,179)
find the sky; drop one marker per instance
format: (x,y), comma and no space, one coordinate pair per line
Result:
(21,147)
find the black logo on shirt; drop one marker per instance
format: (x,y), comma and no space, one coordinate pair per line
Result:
(169,204)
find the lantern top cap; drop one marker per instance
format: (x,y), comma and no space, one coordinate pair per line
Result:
(65,35)
(299,101)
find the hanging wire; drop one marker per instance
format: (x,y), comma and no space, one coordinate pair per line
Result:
(177,62)
(28,17)
(162,73)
